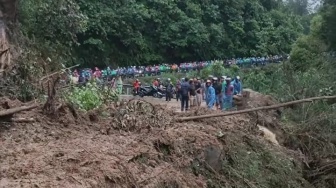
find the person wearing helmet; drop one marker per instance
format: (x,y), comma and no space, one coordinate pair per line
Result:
(136,86)
(185,94)
(228,94)
(218,91)
(210,95)
(169,90)
(238,89)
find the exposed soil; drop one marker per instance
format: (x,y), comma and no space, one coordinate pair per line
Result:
(138,144)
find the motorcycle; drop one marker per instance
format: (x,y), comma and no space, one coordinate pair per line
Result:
(153,92)
(141,89)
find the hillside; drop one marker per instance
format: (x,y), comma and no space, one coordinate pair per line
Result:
(85,137)
(153,151)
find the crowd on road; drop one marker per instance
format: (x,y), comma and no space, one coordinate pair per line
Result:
(216,92)
(138,71)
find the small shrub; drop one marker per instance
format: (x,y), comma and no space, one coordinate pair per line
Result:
(91,96)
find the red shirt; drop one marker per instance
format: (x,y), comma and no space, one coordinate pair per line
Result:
(136,84)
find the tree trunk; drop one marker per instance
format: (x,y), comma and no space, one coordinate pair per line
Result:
(8,12)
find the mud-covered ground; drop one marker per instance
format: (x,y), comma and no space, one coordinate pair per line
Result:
(139,144)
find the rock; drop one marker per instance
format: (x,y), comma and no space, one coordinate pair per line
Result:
(213,157)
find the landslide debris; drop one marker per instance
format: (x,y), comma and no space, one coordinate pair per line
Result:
(138,144)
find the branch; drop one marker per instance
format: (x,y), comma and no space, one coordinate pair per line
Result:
(44,77)
(12,111)
(1,53)
(256,109)
(22,120)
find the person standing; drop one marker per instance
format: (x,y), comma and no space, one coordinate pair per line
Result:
(136,86)
(199,92)
(204,90)
(223,91)
(178,90)
(228,94)
(210,95)
(192,96)
(238,88)
(218,89)
(185,93)
(169,91)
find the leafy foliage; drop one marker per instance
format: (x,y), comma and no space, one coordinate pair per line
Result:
(91,96)
(97,33)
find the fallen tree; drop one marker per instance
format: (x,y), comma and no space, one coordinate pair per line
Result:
(256,109)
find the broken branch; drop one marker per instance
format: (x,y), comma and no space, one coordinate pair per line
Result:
(256,109)
(44,77)
(12,111)
(22,120)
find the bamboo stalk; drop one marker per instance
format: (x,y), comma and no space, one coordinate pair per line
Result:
(255,109)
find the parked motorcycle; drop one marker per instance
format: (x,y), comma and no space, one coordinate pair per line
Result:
(152,91)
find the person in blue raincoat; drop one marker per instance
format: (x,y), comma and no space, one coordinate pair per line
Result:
(237,85)
(228,96)
(223,91)
(210,95)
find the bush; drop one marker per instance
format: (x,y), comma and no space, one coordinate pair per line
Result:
(91,96)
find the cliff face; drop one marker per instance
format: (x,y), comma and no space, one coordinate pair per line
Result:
(7,14)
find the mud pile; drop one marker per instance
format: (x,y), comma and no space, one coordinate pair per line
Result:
(137,144)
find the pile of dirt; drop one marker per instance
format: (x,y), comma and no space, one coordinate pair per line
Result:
(266,118)
(138,144)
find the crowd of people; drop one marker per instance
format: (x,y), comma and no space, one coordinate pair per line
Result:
(216,92)
(137,71)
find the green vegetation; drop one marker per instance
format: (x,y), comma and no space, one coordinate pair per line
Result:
(128,32)
(310,72)
(91,96)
